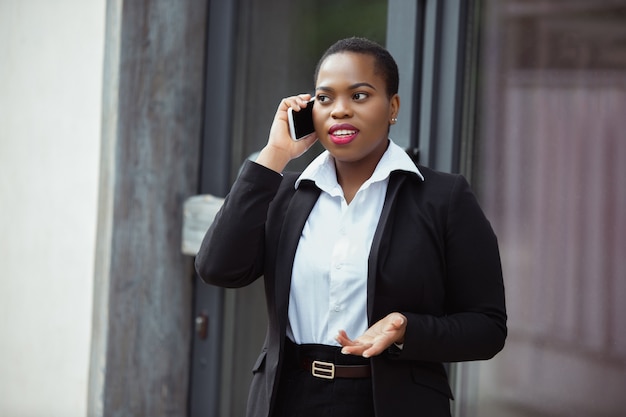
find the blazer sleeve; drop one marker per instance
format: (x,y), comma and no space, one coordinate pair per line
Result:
(473,326)
(232,252)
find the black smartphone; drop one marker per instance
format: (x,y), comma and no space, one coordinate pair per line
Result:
(301,122)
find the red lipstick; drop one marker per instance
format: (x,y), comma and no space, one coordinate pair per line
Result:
(343,133)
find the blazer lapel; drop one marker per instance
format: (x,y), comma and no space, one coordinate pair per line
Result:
(395,181)
(295,217)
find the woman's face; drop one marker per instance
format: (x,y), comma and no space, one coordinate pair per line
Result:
(352,111)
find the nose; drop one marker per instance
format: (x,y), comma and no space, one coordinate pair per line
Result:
(341,109)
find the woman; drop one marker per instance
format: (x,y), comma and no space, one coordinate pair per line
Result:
(376,271)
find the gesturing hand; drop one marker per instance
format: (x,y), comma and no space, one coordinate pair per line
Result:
(377,338)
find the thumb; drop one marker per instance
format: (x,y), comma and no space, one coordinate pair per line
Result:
(397,321)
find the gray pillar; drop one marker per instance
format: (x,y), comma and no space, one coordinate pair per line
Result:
(152,121)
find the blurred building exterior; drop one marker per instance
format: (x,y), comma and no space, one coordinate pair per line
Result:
(114,113)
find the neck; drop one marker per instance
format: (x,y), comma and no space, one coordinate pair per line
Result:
(352,174)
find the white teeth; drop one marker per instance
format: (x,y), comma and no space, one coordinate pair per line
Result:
(343,132)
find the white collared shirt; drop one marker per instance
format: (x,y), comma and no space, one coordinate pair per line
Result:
(329,277)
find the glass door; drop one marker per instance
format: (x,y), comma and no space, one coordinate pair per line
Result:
(279,44)
(259,51)
(550,167)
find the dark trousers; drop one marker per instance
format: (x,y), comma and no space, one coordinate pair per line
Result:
(300,394)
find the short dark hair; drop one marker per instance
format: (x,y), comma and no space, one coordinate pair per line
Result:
(384,64)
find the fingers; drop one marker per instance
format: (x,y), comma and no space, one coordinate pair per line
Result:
(356,350)
(397,327)
(280,126)
(343,339)
(363,345)
(396,322)
(280,148)
(364,349)
(373,351)
(350,347)
(295,102)
(377,338)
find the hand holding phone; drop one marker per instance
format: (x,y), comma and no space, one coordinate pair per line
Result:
(301,122)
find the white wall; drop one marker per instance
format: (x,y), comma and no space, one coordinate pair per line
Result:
(51,58)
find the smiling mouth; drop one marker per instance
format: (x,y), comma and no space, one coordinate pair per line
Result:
(343,136)
(344,132)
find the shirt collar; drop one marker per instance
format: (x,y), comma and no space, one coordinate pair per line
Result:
(322,169)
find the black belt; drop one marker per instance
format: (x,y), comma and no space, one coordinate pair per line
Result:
(328,370)
(326,362)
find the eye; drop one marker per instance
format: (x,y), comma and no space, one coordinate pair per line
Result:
(322,98)
(360,96)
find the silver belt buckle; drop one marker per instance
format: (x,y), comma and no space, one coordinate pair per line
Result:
(325,370)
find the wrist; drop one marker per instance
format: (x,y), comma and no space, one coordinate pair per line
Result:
(273,158)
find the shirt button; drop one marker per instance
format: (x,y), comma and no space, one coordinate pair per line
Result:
(337,308)
(337,266)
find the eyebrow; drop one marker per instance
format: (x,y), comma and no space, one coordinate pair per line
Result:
(352,87)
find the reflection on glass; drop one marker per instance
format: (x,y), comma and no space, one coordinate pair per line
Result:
(280,44)
(551,173)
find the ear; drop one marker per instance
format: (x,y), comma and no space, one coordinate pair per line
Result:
(394,107)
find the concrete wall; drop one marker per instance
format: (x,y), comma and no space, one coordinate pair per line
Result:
(51,58)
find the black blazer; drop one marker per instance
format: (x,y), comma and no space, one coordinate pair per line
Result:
(434,258)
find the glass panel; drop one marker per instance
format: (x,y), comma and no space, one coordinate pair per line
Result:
(550,170)
(280,44)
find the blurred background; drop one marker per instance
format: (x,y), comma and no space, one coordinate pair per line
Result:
(113,114)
